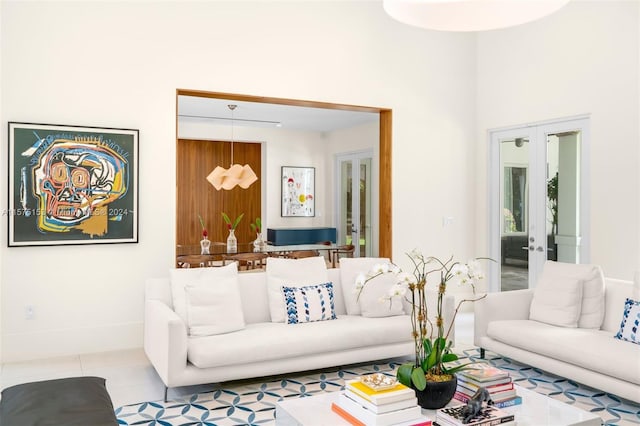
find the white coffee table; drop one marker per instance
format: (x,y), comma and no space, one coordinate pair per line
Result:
(535,410)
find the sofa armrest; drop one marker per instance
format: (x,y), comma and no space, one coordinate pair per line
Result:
(508,305)
(165,340)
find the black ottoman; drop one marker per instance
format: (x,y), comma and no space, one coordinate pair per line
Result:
(75,401)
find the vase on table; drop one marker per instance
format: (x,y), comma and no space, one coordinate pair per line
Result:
(204,245)
(232,242)
(258,244)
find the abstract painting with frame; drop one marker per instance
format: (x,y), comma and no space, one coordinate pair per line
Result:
(72,185)
(298,191)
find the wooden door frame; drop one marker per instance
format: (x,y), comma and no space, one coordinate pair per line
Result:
(385,121)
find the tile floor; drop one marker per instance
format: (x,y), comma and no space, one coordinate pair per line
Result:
(129,376)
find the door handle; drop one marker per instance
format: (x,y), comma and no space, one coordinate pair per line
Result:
(531,248)
(539,248)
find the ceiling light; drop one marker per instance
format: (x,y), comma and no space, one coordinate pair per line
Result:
(469,15)
(242,176)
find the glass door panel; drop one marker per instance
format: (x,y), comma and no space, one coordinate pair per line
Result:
(563,196)
(355,205)
(514,215)
(364,237)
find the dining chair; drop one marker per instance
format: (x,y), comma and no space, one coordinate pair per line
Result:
(198,261)
(344,250)
(247,261)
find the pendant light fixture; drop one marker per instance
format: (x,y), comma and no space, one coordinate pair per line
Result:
(242,176)
(469,15)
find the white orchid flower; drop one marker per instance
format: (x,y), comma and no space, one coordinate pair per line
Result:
(380,268)
(459,269)
(397,290)
(361,279)
(406,278)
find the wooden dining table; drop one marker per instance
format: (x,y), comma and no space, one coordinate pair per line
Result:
(219,256)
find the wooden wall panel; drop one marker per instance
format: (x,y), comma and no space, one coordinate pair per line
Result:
(195,195)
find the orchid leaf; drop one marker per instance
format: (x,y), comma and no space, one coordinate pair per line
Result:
(404,374)
(458,368)
(418,378)
(449,357)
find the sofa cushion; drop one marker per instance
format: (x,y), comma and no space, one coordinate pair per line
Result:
(214,307)
(309,303)
(350,269)
(594,350)
(256,342)
(291,273)
(592,278)
(375,299)
(226,276)
(556,300)
(630,325)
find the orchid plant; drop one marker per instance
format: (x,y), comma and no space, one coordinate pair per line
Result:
(432,345)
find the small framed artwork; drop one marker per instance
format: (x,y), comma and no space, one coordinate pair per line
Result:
(72,185)
(298,191)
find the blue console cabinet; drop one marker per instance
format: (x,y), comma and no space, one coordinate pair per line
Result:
(289,236)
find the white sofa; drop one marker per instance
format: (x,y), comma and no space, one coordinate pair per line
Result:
(591,356)
(263,347)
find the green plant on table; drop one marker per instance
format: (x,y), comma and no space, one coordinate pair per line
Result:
(433,353)
(231,224)
(256,226)
(205,234)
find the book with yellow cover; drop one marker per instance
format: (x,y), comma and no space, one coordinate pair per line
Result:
(397,393)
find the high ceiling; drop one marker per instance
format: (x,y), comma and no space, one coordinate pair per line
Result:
(269,115)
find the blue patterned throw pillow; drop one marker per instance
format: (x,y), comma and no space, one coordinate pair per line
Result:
(309,303)
(630,326)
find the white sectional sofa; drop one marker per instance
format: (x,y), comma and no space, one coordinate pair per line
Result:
(585,351)
(263,344)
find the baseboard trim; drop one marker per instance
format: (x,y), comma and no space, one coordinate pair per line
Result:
(19,347)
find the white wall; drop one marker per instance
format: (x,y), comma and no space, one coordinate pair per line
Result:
(582,60)
(118,64)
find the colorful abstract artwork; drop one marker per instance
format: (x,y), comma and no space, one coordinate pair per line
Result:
(298,191)
(72,185)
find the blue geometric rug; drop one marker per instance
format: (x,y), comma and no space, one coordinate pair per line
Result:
(253,402)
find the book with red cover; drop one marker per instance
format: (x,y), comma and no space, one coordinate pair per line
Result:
(411,415)
(355,422)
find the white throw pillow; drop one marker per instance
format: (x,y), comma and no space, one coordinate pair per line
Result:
(309,303)
(350,268)
(291,273)
(592,309)
(214,308)
(556,300)
(181,278)
(374,299)
(630,325)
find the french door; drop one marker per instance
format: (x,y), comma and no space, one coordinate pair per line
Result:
(355,201)
(538,200)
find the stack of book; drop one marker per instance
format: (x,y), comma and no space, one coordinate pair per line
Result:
(395,404)
(489,415)
(498,382)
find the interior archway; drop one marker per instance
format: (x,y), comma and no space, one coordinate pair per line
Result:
(385,120)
